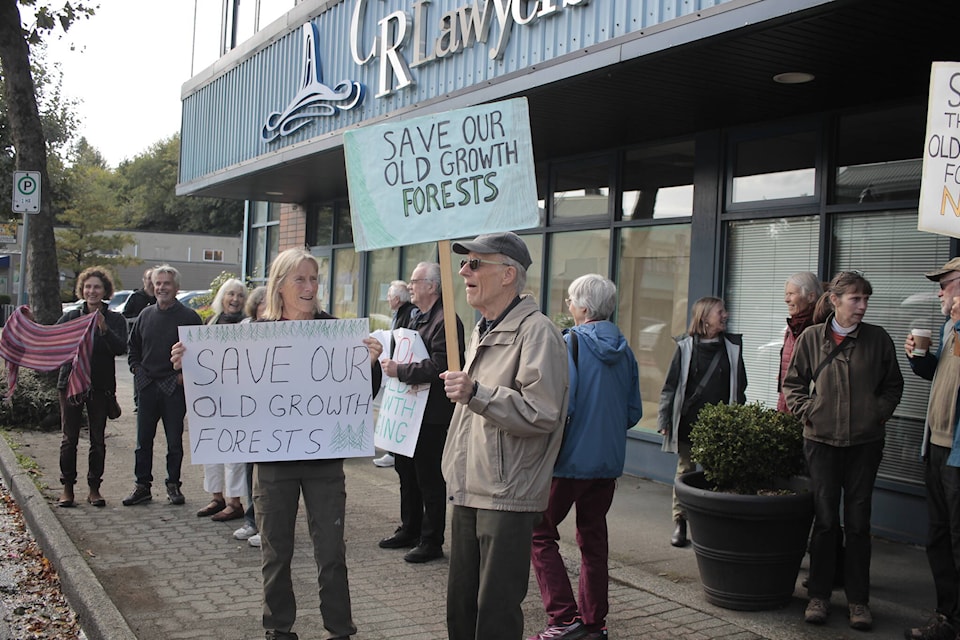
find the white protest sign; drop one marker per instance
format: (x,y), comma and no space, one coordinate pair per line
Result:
(448,175)
(267,391)
(402,405)
(940,185)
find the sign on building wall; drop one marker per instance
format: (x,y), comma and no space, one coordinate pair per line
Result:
(940,187)
(264,391)
(448,175)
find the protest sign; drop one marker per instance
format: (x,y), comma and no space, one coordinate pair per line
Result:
(448,175)
(402,404)
(940,185)
(268,391)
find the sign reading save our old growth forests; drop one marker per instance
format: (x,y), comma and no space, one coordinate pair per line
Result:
(940,186)
(449,175)
(263,391)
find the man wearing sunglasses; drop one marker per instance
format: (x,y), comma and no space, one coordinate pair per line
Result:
(503,441)
(941,454)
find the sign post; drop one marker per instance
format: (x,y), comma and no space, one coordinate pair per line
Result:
(26,200)
(448,175)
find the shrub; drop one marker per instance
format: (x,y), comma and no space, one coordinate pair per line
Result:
(747,448)
(35,405)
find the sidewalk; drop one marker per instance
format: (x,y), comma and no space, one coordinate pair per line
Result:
(158,572)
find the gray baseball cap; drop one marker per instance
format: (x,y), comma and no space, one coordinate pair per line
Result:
(506,243)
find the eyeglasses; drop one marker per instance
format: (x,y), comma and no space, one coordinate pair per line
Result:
(946,283)
(475,263)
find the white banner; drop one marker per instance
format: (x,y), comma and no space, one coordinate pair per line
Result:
(940,185)
(402,405)
(442,176)
(268,391)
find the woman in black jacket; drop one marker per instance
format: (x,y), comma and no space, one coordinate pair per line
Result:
(94,287)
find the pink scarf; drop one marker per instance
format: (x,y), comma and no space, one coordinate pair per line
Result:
(24,343)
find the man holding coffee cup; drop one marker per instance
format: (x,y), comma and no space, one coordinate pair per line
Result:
(941,454)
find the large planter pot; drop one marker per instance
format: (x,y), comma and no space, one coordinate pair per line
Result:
(748,548)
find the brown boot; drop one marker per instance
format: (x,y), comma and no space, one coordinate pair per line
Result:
(66,498)
(95,499)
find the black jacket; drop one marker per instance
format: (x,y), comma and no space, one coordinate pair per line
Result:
(106,347)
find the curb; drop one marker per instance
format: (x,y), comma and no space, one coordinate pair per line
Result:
(99,616)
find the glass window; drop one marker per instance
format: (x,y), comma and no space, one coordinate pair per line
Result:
(878,158)
(213,255)
(654,273)
(894,256)
(320,225)
(581,189)
(417,253)
(343,228)
(572,255)
(263,239)
(382,266)
(323,275)
(346,283)
(761,255)
(658,182)
(775,167)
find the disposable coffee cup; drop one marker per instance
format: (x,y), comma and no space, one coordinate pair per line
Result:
(921,342)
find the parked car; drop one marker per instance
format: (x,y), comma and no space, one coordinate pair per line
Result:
(119,300)
(70,306)
(195,299)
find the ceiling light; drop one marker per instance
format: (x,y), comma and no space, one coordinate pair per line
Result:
(274,193)
(794,77)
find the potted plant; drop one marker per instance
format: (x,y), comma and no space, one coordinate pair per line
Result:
(749,509)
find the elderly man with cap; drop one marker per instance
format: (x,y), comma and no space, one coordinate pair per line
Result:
(941,454)
(503,441)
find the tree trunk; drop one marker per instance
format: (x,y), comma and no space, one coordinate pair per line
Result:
(43,281)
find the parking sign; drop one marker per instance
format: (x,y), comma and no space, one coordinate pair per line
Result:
(26,191)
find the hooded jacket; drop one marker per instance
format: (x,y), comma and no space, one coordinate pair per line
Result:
(604,403)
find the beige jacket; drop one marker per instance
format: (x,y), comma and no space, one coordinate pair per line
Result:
(502,446)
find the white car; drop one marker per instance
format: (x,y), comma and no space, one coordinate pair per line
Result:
(195,299)
(119,300)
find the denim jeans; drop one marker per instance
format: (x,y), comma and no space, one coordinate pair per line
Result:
(852,472)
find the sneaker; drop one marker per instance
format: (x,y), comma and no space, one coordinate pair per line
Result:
(571,631)
(141,493)
(245,532)
(254,540)
(386,460)
(860,617)
(817,610)
(938,628)
(173,493)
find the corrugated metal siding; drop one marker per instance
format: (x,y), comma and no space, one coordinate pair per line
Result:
(222,120)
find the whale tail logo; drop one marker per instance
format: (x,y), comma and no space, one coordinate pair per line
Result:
(314,99)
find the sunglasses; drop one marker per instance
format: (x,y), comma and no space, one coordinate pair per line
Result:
(946,283)
(475,263)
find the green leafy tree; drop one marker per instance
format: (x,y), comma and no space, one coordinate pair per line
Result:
(27,135)
(147,187)
(90,210)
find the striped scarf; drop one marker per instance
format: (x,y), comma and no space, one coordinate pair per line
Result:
(24,343)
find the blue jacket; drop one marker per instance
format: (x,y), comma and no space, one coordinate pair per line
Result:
(604,403)
(926,368)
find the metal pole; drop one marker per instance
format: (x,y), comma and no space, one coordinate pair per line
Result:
(23,259)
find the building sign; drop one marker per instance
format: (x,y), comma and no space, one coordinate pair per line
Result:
(453,32)
(264,391)
(442,176)
(314,99)
(940,186)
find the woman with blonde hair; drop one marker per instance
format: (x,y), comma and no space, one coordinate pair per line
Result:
(225,478)
(707,368)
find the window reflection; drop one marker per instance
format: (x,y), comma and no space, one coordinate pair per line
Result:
(775,168)
(382,267)
(346,280)
(654,272)
(658,182)
(572,255)
(581,189)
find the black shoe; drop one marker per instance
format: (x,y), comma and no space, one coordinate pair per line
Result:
(679,537)
(399,540)
(141,493)
(173,493)
(423,552)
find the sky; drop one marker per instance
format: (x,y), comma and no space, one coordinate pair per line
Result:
(127,68)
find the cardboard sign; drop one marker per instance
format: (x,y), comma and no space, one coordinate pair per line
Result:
(267,391)
(449,175)
(940,185)
(402,405)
